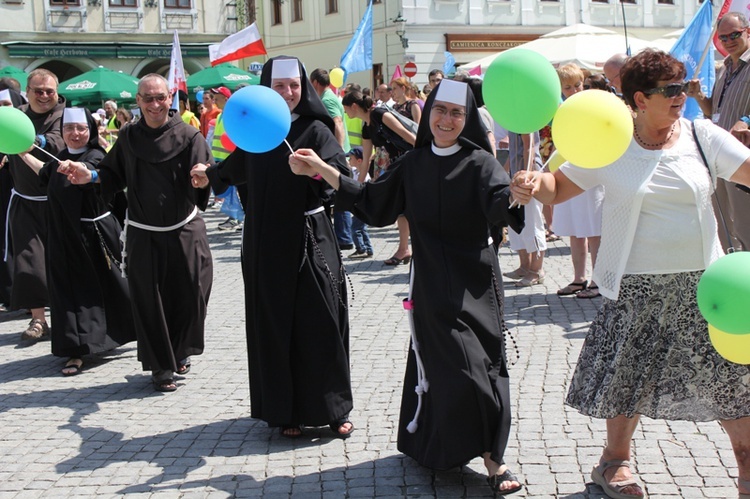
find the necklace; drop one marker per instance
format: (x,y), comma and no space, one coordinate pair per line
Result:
(643,142)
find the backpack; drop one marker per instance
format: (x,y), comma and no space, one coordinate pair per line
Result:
(405,122)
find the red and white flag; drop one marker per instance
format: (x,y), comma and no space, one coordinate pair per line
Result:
(741,6)
(177,79)
(245,43)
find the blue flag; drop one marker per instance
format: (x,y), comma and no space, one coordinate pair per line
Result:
(358,55)
(450,61)
(689,48)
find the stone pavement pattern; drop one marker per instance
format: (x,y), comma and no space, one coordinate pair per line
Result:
(107,433)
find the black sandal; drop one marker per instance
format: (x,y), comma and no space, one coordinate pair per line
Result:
(336,426)
(572,288)
(163,381)
(295,431)
(72,367)
(184,367)
(496,481)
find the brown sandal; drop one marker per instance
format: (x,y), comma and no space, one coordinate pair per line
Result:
(37,330)
(572,288)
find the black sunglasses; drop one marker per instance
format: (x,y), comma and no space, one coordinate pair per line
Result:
(731,36)
(669,91)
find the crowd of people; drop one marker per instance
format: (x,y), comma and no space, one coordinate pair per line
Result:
(433,165)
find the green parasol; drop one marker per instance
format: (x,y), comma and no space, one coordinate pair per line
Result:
(222,75)
(98,85)
(14,72)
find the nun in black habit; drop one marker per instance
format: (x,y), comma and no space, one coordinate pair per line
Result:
(89,298)
(451,190)
(295,290)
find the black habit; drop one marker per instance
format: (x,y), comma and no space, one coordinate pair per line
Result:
(89,298)
(295,289)
(450,202)
(27,218)
(169,273)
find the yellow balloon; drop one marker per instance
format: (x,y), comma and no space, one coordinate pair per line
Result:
(337,77)
(592,129)
(555,161)
(733,347)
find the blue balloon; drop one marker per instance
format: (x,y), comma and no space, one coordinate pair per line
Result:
(199,96)
(256,118)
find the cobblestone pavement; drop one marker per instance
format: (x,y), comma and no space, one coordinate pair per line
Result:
(107,433)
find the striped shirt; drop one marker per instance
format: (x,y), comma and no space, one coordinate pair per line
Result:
(731,93)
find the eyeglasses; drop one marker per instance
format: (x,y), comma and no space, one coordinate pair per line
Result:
(731,36)
(148,99)
(669,91)
(442,111)
(75,128)
(39,92)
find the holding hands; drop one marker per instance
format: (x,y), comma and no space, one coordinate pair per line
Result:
(198,174)
(524,185)
(305,162)
(76,172)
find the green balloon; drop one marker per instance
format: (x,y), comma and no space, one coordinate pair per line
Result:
(16,131)
(724,293)
(521,90)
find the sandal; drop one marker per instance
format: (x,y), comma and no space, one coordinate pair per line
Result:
(614,489)
(338,424)
(572,288)
(590,292)
(183,367)
(532,278)
(496,481)
(519,273)
(394,260)
(73,366)
(290,431)
(37,330)
(163,381)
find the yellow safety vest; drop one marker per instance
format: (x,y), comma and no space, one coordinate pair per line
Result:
(217,148)
(354,130)
(190,119)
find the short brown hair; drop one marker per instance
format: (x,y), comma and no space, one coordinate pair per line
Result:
(645,70)
(42,73)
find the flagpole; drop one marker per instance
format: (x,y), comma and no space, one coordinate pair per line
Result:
(625,26)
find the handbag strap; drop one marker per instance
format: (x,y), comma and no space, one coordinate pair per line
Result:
(730,249)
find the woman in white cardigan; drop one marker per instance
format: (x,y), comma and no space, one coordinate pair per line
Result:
(648,351)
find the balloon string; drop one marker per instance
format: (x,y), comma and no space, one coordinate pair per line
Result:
(48,154)
(529,163)
(290,147)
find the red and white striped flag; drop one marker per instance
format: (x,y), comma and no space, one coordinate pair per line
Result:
(177,79)
(741,6)
(245,43)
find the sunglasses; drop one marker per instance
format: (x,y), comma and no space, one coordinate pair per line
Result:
(148,99)
(669,91)
(731,36)
(39,92)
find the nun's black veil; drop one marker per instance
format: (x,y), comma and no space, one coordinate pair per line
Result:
(310,104)
(473,135)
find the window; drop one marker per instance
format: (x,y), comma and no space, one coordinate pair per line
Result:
(600,1)
(629,1)
(666,2)
(297,10)
(65,3)
(275,12)
(177,4)
(123,3)
(332,6)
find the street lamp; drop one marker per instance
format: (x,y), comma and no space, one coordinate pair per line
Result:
(400,23)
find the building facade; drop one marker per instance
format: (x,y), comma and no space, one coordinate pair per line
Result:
(69,37)
(421,31)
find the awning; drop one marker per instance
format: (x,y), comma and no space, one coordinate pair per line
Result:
(109,50)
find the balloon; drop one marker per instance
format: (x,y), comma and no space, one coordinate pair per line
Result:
(199,96)
(16,131)
(256,118)
(337,77)
(521,90)
(555,161)
(227,143)
(735,348)
(724,293)
(592,129)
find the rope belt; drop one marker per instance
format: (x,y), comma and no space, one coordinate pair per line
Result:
(423,385)
(150,228)
(14,193)
(100,217)
(314,211)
